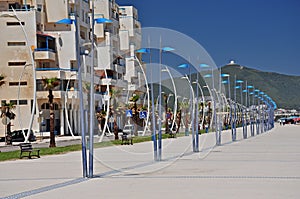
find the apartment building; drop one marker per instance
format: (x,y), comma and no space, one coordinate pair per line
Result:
(34,46)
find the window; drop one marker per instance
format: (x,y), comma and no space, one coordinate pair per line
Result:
(14,23)
(21,63)
(3,102)
(21,102)
(43,65)
(17,83)
(47,106)
(39,7)
(16,43)
(73,64)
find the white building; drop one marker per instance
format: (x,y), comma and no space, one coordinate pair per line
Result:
(53,50)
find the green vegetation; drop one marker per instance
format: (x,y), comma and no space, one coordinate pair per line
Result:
(13,155)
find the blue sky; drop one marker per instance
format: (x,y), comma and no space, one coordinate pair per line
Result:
(260,34)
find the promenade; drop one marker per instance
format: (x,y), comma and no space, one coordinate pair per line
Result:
(264,166)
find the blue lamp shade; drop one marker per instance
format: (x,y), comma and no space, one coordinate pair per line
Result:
(249,86)
(225,82)
(167,49)
(183,66)
(239,81)
(204,65)
(143,50)
(261,93)
(238,87)
(103,20)
(207,75)
(224,75)
(245,91)
(256,90)
(251,93)
(65,21)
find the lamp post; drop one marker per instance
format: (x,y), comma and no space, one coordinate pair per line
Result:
(229,97)
(214,109)
(66,97)
(197,108)
(161,50)
(192,113)
(212,99)
(240,82)
(251,110)
(257,110)
(175,94)
(146,50)
(81,105)
(245,113)
(262,112)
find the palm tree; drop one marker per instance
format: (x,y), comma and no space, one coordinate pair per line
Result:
(49,84)
(6,112)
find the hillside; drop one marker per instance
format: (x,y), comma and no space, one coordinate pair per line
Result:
(283,89)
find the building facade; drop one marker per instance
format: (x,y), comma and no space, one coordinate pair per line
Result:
(34,46)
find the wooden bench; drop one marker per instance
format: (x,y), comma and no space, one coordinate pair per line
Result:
(172,134)
(126,139)
(27,148)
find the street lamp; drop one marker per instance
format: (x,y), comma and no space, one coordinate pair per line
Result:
(185,66)
(66,97)
(161,50)
(258,111)
(192,108)
(81,105)
(175,94)
(192,112)
(240,82)
(229,97)
(197,108)
(251,109)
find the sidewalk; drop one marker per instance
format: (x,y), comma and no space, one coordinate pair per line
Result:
(264,166)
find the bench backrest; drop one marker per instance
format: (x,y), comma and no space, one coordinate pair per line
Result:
(26,146)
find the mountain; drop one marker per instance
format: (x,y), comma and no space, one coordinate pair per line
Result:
(283,89)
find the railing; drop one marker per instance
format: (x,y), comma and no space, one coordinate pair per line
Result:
(56,69)
(45,49)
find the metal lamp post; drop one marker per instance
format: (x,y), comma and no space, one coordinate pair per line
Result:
(161,50)
(240,82)
(192,113)
(197,108)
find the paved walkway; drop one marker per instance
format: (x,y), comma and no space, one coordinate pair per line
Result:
(264,166)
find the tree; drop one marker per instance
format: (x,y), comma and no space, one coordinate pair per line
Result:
(50,84)
(6,112)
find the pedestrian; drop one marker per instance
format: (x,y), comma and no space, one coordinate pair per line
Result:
(116,131)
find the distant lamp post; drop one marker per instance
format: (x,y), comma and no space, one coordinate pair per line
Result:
(251,109)
(240,82)
(161,51)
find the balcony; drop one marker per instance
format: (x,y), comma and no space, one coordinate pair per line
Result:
(44,54)
(108,81)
